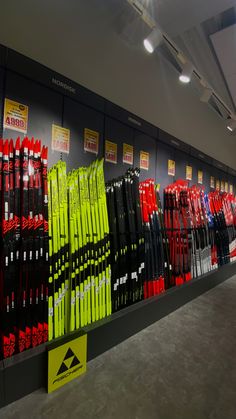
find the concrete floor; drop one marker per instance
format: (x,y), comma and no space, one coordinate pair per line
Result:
(184,366)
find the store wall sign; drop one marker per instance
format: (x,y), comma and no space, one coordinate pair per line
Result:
(66,362)
(226,187)
(217,184)
(134,121)
(64,85)
(91,141)
(60,139)
(15,116)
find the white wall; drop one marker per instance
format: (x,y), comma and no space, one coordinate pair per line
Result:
(76,38)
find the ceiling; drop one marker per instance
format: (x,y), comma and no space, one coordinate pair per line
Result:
(225,48)
(190,23)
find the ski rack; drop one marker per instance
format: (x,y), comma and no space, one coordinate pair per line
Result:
(16,378)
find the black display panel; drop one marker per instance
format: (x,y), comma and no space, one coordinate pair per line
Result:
(118,133)
(1,98)
(130,119)
(77,118)
(43,75)
(182,161)
(2,55)
(45,108)
(164,153)
(143,142)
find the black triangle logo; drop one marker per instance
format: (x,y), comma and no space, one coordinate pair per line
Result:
(75,362)
(69,354)
(63,368)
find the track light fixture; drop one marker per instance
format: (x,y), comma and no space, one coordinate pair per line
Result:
(153,40)
(206,95)
(187,71)
(231,124)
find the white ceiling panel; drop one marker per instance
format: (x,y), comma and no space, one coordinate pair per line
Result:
(224,43)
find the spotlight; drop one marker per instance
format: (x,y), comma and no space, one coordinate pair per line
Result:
(153,40)
(206,95)
(231,125)
(185,76)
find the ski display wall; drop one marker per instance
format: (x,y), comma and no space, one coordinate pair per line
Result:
(79,248)
(24,245)
(200,229)
(127,239)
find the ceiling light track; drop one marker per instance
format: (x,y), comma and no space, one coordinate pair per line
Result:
(156,37)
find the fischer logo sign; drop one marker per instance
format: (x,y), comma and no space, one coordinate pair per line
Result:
(64,85)
(66,362)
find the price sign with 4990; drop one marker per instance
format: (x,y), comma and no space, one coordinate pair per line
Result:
(15,116)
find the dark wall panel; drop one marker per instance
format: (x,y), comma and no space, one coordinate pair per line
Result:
(130,119)
(1,78)
(2,55)
(43,75)
(45,108)
(1,97)
(143,142)
(164,153)
(206,168)
(182,160)
(77,117)
(118,133)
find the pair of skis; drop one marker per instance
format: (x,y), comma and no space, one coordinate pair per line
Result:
(79,248)
(156,262)
(127,239)
(24,245)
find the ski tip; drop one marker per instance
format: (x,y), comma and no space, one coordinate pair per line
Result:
(1,145)
(17,145)
(6,148)
(36,147)
(32,143)
(25,143)
(11,146)
(42,152)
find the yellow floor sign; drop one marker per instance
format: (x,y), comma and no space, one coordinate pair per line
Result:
(66,362)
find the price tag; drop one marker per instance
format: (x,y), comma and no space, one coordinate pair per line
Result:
(200,177)
(111,152)
(144,160)
(171,167)
(15,116)
(91,141)
(128,154)
(189,172)
(60,139)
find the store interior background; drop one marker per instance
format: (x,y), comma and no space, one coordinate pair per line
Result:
(98,44)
